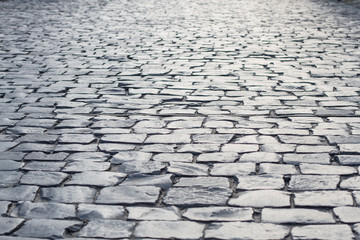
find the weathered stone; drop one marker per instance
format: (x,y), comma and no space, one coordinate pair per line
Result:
(4,205)
(128,195)
(188,169)
(130,156)
(47,228)
(42,210)
(9,224)
(271,168)
(9,165)
(92,211)
(222,214)
(348,214)
(43,178)
(232,169)
(239,148)
(260,182)
(323,232)
(321,158)
(169,229)
(141,167)
(86,166)
(44,166)
(107,229)
(352,183)
(88,156)
(218,157)
(259,157)
(9,178)
(323,198)
(212,138)
(71,194)
(326,169)
(173,157)
(162,181)
(95,178)
(169,138)
(115,147)
(298,215)
(348,159)
(261,198)
(154,214)
(203,182)
(124,138)
(313,182)
(239,230)
(197,196)
(18,193)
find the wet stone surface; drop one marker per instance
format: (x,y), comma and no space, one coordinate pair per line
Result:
(185,119)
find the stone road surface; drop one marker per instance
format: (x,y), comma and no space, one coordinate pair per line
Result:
(191,119)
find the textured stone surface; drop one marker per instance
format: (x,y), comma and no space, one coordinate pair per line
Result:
(94,178)
(246,231)
(314,182)
(92,211)
(166,229)
(261,198)
(326,231)
(197,196)
(348,214)
(219,214)
(70,194)
(41,210)
(18,193)
(260,182)
(297,215)
(153,214)
(107,229)
(179,119)
(9,224)
(323,198)
(128,194)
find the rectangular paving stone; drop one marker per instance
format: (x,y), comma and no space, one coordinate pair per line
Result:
(169,229)
(18,193)
(348,159)
(348,214)
(195,196)
(9,224)
(261,198)
(43,210)
(9,178)
(96,178)
(223,214)
(93,212)
(313,182)
(320,158)
(323,198)
(232,169)
(352,183)
(47,228)
(43,178)
(296,215)
(241,230)
(260,182)
(323,232)
(306,168)
(154,214)
(128,195)
(107,229)
(70,194)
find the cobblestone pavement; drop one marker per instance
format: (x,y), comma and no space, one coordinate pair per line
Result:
(165,119)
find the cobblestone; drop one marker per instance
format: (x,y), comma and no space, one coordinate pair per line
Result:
(184,119)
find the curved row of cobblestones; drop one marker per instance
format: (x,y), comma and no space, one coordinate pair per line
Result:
(164,119)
